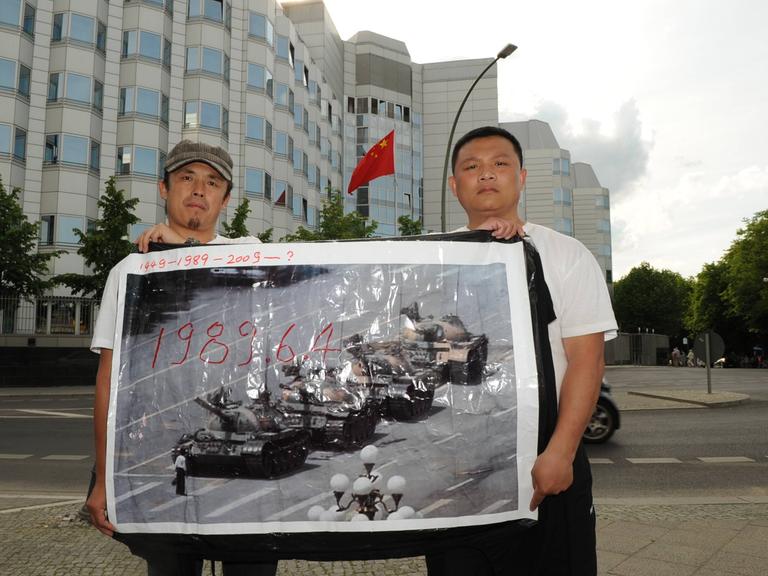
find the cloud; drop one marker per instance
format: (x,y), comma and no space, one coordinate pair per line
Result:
(620,158)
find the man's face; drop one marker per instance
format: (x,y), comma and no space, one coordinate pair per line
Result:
(488,180)
(195,197)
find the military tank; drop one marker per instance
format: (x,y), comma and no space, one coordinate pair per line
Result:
(242,441)
(384,371)
(334,415)
(445,345)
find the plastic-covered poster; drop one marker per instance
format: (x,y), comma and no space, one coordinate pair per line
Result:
(322,387)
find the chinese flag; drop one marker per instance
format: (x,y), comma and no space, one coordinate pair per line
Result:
(378,161)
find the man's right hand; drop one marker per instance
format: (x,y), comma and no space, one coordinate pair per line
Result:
(158,233)
(97,506)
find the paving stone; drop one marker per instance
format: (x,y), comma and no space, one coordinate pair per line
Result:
(607,560)
(701,538)
(752,540)
(648,567)
(677,553)
(741,564)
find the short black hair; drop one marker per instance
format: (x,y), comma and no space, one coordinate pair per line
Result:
(485,132)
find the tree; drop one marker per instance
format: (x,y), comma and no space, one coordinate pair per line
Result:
(334,224)
(650,298)
(746,264)
(22,267)
(237,228)
(266,236)
(409,227)
(710,311)
(106,245)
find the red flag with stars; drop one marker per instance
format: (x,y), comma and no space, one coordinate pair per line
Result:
(378,161)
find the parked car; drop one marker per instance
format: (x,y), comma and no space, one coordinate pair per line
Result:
(605,419)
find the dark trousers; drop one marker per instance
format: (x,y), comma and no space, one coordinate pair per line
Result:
(178,565)
(561,544)
(181,482)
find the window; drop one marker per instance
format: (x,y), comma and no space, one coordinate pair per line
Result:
(212,61)
(283,95)
(24,76)
(213,10)
(59,22)
(565,166)
(260,26)
(5,139)
(297,165)
(564,225)
(66,229)
(406,114)
(78,88)
(296,206)
(20,144)
(101,36)
(7,74)
(283,47)
(167,54)
(29,19)
(98,95)
(254,128)
(149,45)
(254,182)
(81,28)
(147,102)
(602,202)
(125,102)
(374,106)
(145,161)
(350,105)
(604,250)
(190,114)
(563,196)
(267,186)
(281,192)
(193,59)
(123,160)
(313,176)
(164,105)
(46,229)
(283,144)
(130,43)
(51,149)
(193,10)
(362,105)
(210,115)
(74,149)
(260,78)
(10,10)
(603,225)
(556,166)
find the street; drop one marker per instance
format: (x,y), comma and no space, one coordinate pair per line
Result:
(45,443)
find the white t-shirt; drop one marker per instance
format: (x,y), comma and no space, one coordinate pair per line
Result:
(577,286)
(104,331)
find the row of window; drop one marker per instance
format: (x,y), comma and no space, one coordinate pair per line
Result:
(11,80)
(561,166)
(13,140)
(143,101)
(77,88)
(73,150)
(216,10)
(562,196)
(60,229)
(146,45)
(209,60)
(140,161)
(378,107)
(85,29)
(11,15)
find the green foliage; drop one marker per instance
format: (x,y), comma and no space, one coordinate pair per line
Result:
(649,298)
(334,224)
(266,236)
(106,245)
(237,228)
(22,267)
(409,227)
(746,270)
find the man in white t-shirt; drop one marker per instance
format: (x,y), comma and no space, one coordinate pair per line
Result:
(196,187)
(488,178)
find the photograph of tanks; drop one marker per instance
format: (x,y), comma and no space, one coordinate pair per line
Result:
(270,380)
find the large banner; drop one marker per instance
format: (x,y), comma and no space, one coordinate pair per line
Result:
(361,386)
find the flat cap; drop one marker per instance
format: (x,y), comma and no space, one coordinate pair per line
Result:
(187,151)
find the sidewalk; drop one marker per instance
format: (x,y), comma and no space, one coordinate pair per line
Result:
(675,539)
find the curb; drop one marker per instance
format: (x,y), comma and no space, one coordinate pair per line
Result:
(716,400)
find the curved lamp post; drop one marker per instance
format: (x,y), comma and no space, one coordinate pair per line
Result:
(506,51)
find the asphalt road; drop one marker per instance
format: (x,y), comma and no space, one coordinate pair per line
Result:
(45,444)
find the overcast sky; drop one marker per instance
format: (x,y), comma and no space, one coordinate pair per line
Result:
(668,100)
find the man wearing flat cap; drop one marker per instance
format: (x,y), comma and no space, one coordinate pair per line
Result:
(196,187)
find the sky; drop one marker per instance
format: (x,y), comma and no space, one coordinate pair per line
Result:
(667,100)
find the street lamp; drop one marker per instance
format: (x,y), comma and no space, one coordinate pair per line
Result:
(506,51)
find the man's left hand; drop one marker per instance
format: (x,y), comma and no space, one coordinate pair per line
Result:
(552,473)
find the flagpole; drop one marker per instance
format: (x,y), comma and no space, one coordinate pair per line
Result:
(395,179)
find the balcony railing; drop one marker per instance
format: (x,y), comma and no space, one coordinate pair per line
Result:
(47,316)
